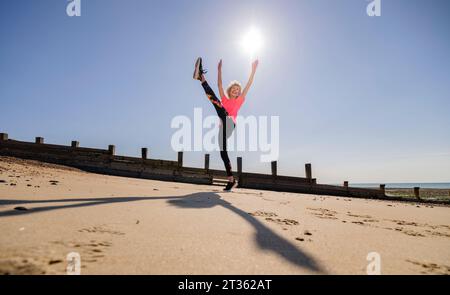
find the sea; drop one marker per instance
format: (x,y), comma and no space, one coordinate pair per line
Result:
(435,185)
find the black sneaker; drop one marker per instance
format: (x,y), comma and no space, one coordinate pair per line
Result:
(230,185)
(198,72)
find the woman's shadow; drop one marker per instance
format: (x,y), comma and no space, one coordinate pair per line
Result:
(265,238)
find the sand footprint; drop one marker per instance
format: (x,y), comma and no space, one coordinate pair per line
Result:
(269,217)
(432,268)
(89,252)
(408,232)
(282,221)
(303,239)
(323,213)
(20,265)
(263,214)
(100,229)
(363,219)
(432,229)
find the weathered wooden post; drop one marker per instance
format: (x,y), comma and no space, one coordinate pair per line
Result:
(239,165)
(39,140)
(207,162)
(239,170)
(274,168)
(417,192)
(308,171)
(112,149)
(345,183)
(383,189)
(180,159)
(144,152)
(75,144)
(3,136)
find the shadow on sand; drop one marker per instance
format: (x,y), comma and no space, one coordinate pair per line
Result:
(265,238)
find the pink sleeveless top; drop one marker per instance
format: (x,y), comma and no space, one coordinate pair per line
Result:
(232,106)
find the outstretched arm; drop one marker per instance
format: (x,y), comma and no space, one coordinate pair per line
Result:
(250,80)
(219,80)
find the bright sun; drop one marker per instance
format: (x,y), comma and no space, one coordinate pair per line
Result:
(252,42)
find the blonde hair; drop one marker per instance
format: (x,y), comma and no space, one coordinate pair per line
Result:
(233,83)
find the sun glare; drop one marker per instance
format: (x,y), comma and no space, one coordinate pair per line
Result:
(252,42)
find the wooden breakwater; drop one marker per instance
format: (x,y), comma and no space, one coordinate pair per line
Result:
(105,161)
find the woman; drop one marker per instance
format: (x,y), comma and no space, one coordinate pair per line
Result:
(227,109)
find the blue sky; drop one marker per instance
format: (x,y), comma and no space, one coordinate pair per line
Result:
(363,99)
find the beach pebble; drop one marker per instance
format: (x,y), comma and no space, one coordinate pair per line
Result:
(54,261)
(21,208)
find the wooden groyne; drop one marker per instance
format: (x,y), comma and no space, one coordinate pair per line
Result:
(105,161)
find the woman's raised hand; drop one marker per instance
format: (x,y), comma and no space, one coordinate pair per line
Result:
(255,65)
(219,79)
(250,80)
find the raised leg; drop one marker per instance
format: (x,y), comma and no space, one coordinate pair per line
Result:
(226,129)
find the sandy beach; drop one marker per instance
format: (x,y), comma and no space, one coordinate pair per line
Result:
(122,225)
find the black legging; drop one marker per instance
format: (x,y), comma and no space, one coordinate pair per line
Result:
(226,129)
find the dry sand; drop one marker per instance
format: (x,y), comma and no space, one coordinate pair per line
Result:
(132,226)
